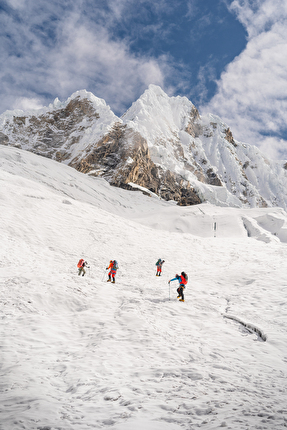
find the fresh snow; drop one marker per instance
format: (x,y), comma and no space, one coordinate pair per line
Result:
(78,353)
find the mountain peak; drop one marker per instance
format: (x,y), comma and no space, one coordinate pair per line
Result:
(82,94)
(161,143)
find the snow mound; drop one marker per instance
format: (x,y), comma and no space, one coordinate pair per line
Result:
(254,230)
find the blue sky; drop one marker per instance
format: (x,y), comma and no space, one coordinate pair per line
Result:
(227,56)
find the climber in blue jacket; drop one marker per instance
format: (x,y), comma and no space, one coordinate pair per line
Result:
(182,279)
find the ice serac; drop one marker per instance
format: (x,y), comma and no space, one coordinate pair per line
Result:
(161,144)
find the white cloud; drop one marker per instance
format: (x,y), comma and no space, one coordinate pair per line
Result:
(91,60)
(26,103)
(252,92)
(258,15)
(16,4)
(192,8)
(52,51)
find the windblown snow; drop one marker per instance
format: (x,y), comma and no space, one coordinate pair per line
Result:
(78,353)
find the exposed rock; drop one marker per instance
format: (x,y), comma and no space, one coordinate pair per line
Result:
(194,128)
(229,137)
(262,203)
(19,120)
(4,139)
(173,187)
(213,179)
(122,156)
(194,114)
(52,130)
(246,164)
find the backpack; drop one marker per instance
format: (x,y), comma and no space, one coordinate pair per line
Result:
(115,265)
(80,263)
(158,261)
(184,275)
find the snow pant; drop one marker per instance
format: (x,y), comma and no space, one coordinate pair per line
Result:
(180,291)
(81,270)
(158,271)
(113,274)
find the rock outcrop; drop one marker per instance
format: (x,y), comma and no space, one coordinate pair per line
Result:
(122,157)
(53,133)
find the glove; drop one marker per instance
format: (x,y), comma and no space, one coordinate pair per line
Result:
(168,282)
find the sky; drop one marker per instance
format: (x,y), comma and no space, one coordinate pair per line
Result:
(78,353)
(228,57)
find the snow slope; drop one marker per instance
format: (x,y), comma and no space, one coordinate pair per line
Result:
(78,353)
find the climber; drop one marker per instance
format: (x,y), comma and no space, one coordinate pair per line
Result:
(182,279)
(113,267)
(81,264)
(159,264)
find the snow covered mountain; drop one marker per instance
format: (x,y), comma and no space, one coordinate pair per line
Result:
(161,144)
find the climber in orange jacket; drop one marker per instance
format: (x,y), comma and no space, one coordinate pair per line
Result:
(113,267)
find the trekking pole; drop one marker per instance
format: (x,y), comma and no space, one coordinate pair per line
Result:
(104,275)
(169,289)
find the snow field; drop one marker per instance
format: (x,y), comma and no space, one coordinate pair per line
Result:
(79,353)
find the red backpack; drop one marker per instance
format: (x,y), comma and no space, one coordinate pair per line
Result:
(184,278)
(80,263)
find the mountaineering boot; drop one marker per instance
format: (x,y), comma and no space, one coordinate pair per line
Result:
(108,280)
(178,297)
(181,300)
(113,281)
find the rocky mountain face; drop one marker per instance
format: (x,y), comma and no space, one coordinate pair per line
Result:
(122,157)
(161,144)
